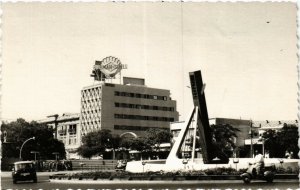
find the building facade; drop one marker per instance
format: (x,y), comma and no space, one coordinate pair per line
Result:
(67,130)
(125,109)
(129,109)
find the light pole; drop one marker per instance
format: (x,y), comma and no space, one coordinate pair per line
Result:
(55,123)
(113,150)
(32,138)
(34,152)
(263,145)
(56,155)
(251,136)
(56,158)
(185,161)
(143,163)
(81,164)
(281,162)
(235,161)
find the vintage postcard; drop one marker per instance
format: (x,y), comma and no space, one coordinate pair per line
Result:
(149,95)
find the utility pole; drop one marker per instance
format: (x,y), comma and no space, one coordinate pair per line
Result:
(251,136)
(55,124)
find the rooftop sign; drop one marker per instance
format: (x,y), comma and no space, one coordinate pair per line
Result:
(109,66)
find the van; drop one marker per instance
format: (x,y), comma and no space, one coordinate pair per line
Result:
(24,171)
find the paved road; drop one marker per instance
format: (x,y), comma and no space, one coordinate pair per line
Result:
(44,183)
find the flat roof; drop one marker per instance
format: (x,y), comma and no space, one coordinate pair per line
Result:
(24,162)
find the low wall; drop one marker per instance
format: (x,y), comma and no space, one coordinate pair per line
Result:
(243,163)
(54,178)
(94,164)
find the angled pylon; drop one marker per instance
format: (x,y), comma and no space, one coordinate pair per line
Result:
(210,153)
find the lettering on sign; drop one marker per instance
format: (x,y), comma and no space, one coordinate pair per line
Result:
(109,66)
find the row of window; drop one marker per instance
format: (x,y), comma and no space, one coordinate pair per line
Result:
(146,107)
(63,129)
(136,95)
(141,117)
(136,128)
(72,141)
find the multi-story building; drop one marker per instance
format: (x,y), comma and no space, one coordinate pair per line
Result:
(128,109)
(67,130)
(131,108)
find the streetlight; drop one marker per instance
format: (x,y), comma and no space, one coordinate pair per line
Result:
(56,155)
(143,163)
(55,123)
(263,144)
(81,164)
(113,150)
(34,152)
(236,161)
(32,138)
(216,160)
(281,162)
(56,158)
(185,161)
(251,136)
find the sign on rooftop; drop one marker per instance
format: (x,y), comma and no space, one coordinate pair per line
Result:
(109,67)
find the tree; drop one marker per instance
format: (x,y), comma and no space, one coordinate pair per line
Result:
(148,145)
(15,133)
(95,143)
(223,135)
(286,139)
(155,137)
(272,143)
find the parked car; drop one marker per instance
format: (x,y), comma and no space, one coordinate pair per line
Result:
(24,171)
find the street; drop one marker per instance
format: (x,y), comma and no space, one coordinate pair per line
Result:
(44,183)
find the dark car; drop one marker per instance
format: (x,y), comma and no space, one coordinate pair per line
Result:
(24,171)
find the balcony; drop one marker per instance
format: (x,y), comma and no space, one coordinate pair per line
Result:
(72,131)
(62,132)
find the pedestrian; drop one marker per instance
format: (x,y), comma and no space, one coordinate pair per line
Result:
(291,155)
(287,154)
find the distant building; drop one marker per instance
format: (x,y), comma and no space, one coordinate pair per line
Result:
(68,131)
(244,127)
(259,127)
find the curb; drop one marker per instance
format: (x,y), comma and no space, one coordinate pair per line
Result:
(161,178)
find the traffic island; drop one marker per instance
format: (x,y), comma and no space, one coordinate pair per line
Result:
(211,174)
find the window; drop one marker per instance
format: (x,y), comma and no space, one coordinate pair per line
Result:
(117,93)
(110,85)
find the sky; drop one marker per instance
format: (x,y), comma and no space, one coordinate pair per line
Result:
(246,52)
